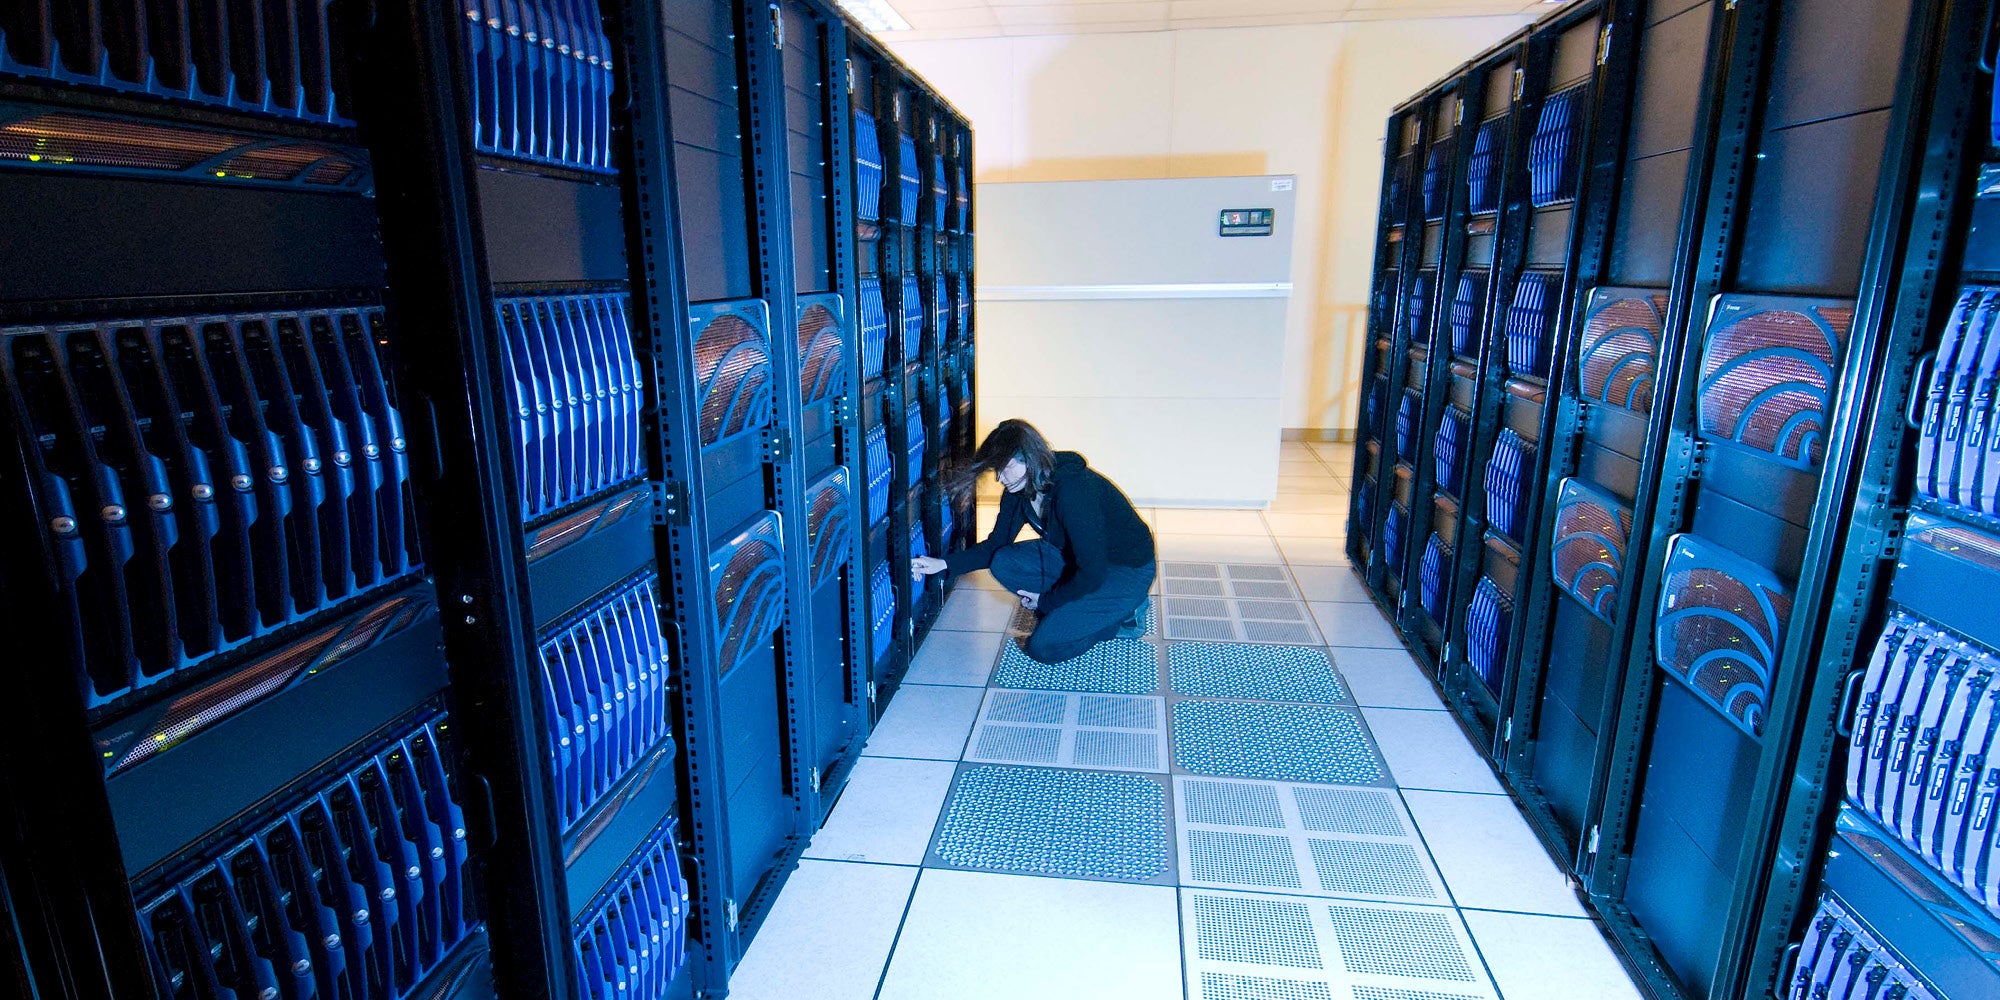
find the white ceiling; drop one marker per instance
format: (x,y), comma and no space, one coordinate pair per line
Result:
(987,18)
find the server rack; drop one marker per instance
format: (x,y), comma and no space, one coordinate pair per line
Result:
(554,751)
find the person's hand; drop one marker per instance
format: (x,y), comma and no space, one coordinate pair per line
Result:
(1029,601)
(923,566)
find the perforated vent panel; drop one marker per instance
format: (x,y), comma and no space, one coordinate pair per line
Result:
(1592,530)
(1721,622)
(1767,374)
(747,573)
(1620,346)
(822,343)
(732,361)
(829,525)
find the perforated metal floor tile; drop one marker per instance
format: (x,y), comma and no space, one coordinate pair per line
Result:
(1217,602)
(1114,666)
(1108,732)
(1245,946)
(1251,672)
(1302,743)
(1313,840)
(1055,822)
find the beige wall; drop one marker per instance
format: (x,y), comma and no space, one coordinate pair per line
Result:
(1305,99)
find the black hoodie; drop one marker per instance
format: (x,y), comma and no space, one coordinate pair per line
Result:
(1086,516)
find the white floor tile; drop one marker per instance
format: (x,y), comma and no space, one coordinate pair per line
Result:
(1386,678)
(1186,521)
(1293,451)
(1314,551)
(829,935)
(1336,584)
(1549,958)
(979,936)
(1309,503)
(1489,857)
(1427,750)
(975,610)
(1217,548)
(961,658)
(1308,484)
(926,721)
(1354,624)
(886,813)
(1307,525)
(1302,467)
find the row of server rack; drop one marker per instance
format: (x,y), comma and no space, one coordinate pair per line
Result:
(1679,469)
(459,461)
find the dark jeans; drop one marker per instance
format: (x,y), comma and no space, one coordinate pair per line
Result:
(1070,630)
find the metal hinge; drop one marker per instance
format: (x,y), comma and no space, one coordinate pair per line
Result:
(777,27)
(1458,117)
(1520,81)
(871,691)
(669,502)
(1507,735)
(850,76)
(1591,851)
(1604,42)
(729,905)
(815,780)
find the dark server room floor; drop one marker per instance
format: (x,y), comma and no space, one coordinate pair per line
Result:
(1251,820)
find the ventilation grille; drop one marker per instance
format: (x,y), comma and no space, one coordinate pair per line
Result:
(909,173)
(822,349)
(829,525)
(869,171)
(1528,321)
(1398,186)
(918,549)
(574,382)
(940,309)
(1620,346)
(1378,391)
(1483,171)
(272,59)
(541,81)
(962,298)
(633,938)
(882,607)
(1721,622)
(747,574)
(208,480)
(1417,309)
(1392,536)
(878,474)
(961,219)
(1407,414)
(947,527)
(1434,577)
(1451,435)
(1592,531)
(1513,459)
(874,329)
(605,676)
(358,890)
(940,191)
(1767,374)
(1468,313)
(1554,150)
(1924,730)
(1957,422)
(733,374)
(1487,623)
(913,422)
(76,140)
(911,310)
(1437,170)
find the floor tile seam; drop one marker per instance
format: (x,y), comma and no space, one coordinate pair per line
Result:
(896,941)
(851,861)
(1342,897)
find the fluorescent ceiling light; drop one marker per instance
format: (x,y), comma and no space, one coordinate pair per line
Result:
(875,15)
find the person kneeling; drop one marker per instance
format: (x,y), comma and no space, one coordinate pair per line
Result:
(1087,577)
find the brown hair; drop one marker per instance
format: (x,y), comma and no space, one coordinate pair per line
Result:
(1010,440)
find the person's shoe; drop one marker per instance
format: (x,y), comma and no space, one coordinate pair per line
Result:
(1131,628)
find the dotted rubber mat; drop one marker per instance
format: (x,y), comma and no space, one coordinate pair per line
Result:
(1304,743)
(1309,840)
(1048,821)
(1251,672)
(1114,666)
(1243,946)
(1112,732)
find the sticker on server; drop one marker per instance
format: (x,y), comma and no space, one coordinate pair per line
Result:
(1248,221)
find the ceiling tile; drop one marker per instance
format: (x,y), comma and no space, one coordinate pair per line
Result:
(951,18)
(1059,15)
(1221,9)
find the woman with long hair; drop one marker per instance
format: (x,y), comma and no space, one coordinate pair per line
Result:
(1087,576)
